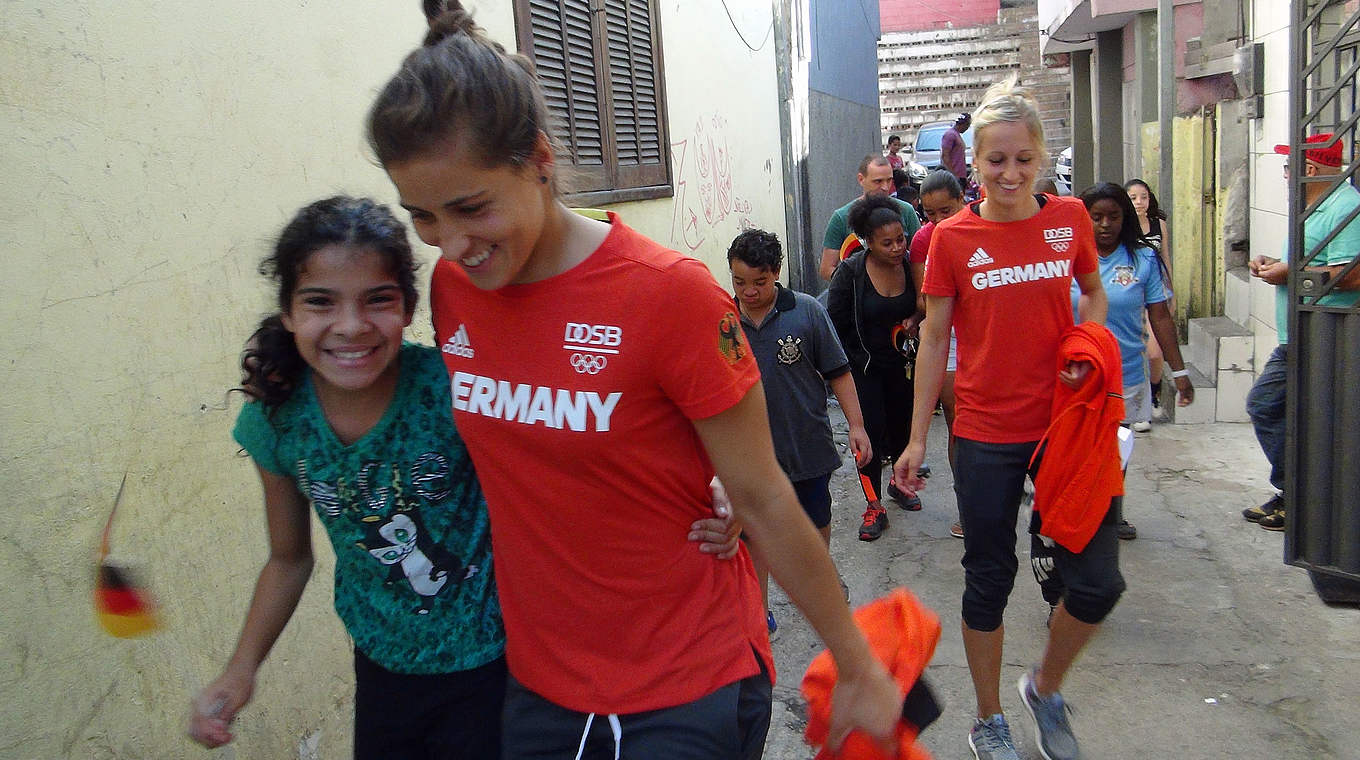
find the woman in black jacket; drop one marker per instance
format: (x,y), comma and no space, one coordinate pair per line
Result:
(872,302)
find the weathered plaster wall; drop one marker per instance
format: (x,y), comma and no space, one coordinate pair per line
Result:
(723,103)
(1269,199)
(1191,274)
(151,154)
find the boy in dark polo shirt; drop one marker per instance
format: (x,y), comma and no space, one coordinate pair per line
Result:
(798,353)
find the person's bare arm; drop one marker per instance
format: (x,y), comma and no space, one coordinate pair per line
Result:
(738,443)
(843,386)
(1164,328)
(918,276)
(277,592)
(1165,253)
(1093,305)
(830,258)
(932,356)
(1350,282)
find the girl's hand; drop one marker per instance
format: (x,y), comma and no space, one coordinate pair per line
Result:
(1185,391)
(905,468)
(1074,375)
(720,534)
(212,711)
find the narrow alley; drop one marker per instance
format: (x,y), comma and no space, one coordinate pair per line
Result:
(1216,650)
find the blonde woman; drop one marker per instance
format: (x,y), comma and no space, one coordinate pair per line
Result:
(1000,273)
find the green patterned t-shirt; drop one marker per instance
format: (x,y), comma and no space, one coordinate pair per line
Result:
(403,509)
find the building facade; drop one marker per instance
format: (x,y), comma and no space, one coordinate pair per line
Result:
(935,63)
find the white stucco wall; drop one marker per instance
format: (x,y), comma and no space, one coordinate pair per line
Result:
(152,150)
(1269,196)
(723,107)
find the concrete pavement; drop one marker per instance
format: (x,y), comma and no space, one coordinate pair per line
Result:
(1216,650)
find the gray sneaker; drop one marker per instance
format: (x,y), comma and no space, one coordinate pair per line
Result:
(991,739)
(1052,732)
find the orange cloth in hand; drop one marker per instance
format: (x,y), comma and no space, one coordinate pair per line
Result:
(902,634)
(1080,471)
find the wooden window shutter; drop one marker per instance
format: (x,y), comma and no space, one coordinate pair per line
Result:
(633,52)
(599,62)
(561,41)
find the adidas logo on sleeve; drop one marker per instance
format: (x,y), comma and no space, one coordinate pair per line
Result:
(979,258)
(458,344)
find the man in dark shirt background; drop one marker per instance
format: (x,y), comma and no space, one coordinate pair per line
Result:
(953,151)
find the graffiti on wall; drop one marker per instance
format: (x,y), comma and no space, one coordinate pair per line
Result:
(704,193)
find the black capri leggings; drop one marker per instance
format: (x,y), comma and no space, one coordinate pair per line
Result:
(885,398)
(989,485)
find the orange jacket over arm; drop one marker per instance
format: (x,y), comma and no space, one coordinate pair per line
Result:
(1080,471)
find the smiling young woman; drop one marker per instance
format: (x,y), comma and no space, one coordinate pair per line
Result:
(581,407)
(999,272)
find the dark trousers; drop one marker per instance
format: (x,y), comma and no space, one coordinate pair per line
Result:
(445,716)
(727,724)
(1265,406)
(885,399)
(989,487)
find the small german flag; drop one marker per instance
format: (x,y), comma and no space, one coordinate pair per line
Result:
(121,606)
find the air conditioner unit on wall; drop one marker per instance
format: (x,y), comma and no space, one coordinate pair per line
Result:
(1249,64)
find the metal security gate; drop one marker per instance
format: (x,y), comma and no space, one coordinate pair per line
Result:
(1322,456)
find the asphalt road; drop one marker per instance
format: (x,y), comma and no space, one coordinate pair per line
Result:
(1217,650)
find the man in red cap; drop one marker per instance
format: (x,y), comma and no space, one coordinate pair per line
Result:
(1266,401)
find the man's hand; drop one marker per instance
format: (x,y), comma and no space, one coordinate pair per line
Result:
(1272,271)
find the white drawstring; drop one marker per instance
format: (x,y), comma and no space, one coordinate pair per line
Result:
(590,719)
(615,727)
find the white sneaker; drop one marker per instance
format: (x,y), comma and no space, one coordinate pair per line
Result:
(1141,427)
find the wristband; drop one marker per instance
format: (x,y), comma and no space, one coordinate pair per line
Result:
(1180,373)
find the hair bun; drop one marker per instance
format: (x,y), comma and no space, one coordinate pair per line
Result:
(447,19)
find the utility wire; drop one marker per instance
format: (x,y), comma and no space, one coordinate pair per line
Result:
(736,29)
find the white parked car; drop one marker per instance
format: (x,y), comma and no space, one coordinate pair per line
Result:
(1062,172)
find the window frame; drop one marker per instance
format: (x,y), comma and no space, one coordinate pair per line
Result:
(608,182)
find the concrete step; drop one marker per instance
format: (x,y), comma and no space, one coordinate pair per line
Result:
(1230,398)
(1237,296)
(1218,343)
(1205,408)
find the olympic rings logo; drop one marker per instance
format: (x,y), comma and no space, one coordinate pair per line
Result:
(1060,246)
(588,364)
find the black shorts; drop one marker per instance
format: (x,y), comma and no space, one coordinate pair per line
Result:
(815,496)
(727,724)
(443,716)
(989,482)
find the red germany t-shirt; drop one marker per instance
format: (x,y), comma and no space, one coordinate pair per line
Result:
(920,243)
(1011,284)
(574,396)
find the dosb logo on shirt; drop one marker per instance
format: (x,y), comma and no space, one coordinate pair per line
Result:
(580,335)
(1059,238)
(588,344)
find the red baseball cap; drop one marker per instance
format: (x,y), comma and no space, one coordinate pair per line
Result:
(1328,156)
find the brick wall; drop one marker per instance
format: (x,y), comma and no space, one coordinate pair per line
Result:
(918,15)
(927,76)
